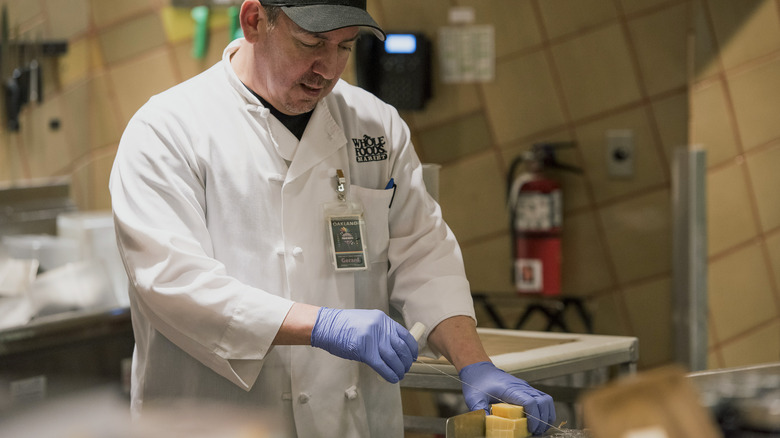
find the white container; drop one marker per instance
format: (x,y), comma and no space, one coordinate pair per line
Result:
(94,232)
(75,286)
(50,251)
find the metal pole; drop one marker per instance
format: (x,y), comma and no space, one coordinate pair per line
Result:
(689,269)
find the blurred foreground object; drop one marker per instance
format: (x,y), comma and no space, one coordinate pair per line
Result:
(104,413)
(660,403)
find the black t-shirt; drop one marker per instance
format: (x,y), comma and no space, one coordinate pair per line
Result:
(296,124)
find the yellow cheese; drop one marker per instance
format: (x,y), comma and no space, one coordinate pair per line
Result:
(499,427)
(507,411)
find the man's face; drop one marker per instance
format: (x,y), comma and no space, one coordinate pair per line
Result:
(297,68)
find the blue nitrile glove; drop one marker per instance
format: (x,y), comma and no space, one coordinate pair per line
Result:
(368,336)
(484,384)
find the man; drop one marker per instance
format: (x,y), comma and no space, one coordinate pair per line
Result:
(229,194)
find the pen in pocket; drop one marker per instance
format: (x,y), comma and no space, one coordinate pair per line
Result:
(391,185)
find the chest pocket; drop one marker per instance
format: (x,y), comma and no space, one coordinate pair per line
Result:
(371,288)
(376,210)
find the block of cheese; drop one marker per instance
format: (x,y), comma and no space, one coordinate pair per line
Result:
(507,411)
(500,427)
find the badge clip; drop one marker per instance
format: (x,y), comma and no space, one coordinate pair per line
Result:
(340,181)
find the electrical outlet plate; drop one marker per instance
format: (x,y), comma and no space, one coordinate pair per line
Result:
(620,153)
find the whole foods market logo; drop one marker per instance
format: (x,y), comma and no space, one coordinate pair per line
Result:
(369,149)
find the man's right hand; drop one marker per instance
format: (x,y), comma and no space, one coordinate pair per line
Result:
(368,336)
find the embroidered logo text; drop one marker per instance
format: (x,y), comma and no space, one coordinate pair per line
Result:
(370,149)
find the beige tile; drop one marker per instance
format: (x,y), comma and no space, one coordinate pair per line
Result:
(514,21)
(104,127)
(714,361)
(75,64)
(663,56)
(427,16)
(67,18)
(650,311)
(671,116)
(20,11)
(729,215)
(522,100)
(706,62)
(472,197)
(448,101)
(76,118)
(745,29)
(562,17)
(135,82)
(188,66)
(489,264)
(649,166)
(773,245)
(5,168)
(711,125)
(81,187)
(638,233)
(633,6)
(131,38)
(760,347)
(755,94)
(740,294)
(609,318)
(596,72)
(585,266)
(374,8)
(575,188)
(17,159)
(765,180)
(100,198)
(90,118)
(454,140)
(110,11)
(46,149)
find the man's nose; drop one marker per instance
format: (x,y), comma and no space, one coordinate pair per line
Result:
(329,64)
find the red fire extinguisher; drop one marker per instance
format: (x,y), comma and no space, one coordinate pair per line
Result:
(536,217)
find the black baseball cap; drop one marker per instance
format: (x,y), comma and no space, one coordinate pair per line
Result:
(320,16)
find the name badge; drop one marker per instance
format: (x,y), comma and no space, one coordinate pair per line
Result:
(346,229)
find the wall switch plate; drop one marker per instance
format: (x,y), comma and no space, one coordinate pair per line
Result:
(620,153)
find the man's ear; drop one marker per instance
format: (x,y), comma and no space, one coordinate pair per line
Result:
(253,20)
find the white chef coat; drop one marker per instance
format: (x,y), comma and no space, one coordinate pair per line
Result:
(220,236)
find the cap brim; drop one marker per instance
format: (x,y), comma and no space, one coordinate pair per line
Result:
(325,18)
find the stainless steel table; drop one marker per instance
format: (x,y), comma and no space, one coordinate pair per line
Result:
(537,357)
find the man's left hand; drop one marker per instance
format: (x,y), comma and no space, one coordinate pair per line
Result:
(484,384)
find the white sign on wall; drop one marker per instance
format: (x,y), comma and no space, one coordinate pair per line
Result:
(467,53)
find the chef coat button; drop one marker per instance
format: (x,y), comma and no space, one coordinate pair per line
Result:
(279,251)
(303,398)
(297,251)
(351,393)
(286,396)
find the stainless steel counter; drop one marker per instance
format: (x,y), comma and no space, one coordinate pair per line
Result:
(65,352)
(561,364)
(534,356)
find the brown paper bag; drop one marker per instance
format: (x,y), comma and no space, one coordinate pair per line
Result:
(660,403)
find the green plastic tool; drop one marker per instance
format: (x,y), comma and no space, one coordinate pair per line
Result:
(201,39)
(235,24)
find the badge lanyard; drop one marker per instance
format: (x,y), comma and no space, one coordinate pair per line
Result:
(346,229)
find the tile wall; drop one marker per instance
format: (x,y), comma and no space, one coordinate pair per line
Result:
(734,99)
(566,70)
